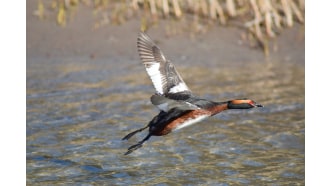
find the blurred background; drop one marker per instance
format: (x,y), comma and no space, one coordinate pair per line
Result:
(86,89)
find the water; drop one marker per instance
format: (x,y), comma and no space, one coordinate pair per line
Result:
(79,109)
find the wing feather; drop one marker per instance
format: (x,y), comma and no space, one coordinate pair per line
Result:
(162,72)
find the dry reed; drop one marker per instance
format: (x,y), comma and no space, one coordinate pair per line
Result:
(263,19)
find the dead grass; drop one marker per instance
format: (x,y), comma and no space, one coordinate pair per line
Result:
(262,19)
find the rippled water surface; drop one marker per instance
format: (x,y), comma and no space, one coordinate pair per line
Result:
(79,109)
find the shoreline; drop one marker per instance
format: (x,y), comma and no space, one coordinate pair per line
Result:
(47,40)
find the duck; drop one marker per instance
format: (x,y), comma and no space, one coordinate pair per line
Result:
(178,106)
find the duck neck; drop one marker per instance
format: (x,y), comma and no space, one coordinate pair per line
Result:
(221,106)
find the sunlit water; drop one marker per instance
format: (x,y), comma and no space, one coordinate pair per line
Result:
(79,109)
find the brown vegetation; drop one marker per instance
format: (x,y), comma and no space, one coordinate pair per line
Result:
(263,19)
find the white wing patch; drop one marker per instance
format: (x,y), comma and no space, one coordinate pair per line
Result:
(179,88)
(155,75)
(191,121)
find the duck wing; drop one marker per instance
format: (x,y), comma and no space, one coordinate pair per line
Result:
(165,78)
(165,104)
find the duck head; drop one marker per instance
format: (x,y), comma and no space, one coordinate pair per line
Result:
(242,104)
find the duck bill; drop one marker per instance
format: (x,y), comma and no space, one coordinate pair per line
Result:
(258,105)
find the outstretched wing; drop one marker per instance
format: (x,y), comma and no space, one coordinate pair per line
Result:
(165,104)
(162,73)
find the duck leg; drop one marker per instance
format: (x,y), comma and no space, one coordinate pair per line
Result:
(128,136)
(138,145)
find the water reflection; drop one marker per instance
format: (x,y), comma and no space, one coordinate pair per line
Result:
(77,115)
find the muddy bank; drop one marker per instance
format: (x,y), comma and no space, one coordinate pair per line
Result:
(220,44)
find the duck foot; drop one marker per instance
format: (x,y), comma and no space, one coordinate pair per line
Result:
(138,145)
